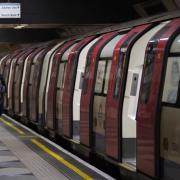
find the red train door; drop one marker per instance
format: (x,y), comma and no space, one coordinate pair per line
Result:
(34,93)
(3,62)
(149,108)
(18,78)
(6,74)
(116,88)
(87,90)
(52,91)
(11,82)
(69,84)
(24,103)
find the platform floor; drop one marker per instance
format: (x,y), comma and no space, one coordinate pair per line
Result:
(25,155)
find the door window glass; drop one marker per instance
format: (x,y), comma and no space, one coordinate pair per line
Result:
(148,71)
(16,73)
(60,83)
(118,75)
(100,76)
(171,80)
(31,74)
(175,47)
(107,76)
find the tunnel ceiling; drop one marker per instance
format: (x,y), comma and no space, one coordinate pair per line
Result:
(88,11)
(64,18)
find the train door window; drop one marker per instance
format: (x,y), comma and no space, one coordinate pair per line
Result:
(16,73)
(6,73)
(59,93)
(170,113)
(60,82)
(31,74)
(86,75)
(118,74)
(107,76)
(100,93)
(171,80)
(148,71)
(100,76)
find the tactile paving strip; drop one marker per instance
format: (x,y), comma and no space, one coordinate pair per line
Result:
(11,167)
(36,166)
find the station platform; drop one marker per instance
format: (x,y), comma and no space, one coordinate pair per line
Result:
(26,155)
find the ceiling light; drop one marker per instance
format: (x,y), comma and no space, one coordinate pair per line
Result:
(20,26)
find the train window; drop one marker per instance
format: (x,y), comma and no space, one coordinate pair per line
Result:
(85,81)
(175,47)
(171,80)
(81,81)
(6,74)
(118,75)
(86,75)
(148,71)
(107,76)
(60,83)
(16,73)
(147,81)
(100,76)
(31,74)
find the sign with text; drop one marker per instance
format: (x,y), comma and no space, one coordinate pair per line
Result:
(10,10)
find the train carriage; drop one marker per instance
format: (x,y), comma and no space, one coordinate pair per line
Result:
(115,94)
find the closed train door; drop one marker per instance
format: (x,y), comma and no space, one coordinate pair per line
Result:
(32,86)
(78,88)
(87,123)
(131,96)
(70,126)
(18,79)
(102,75)
(43,83)
(25,82)
(36,83)
(11,83)
(53,87)
(115,94)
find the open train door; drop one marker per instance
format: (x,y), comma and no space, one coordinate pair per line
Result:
(87,96)
(115,97)
(53,120)
(78,87)
(71,127)
(158,107)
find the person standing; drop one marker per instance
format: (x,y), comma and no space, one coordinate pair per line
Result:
(2,92)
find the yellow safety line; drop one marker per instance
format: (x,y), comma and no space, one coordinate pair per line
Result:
(62,160)
(12,126)
(26,136)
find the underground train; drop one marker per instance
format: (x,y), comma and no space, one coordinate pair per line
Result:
(116,93)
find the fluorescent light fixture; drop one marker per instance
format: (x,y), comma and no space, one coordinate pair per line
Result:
(20,26)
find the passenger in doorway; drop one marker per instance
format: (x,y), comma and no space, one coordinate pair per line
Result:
(2,92)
